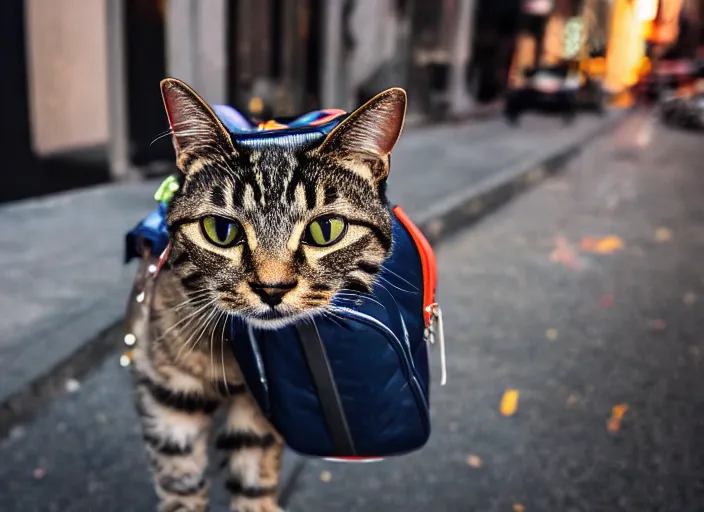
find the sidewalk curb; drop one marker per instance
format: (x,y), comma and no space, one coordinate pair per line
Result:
(438,223)
(23,404)
(442,220)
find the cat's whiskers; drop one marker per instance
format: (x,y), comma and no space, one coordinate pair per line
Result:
(195,301)
(222,349)
(190,295)
(386,269)
(191,332)
(212,338)
(355,300)
(190,316)
(161,136)
(353,296)
(382,278)
(332,316)
(197,333)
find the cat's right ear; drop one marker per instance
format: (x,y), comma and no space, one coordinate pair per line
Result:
(369,134)
(197,132)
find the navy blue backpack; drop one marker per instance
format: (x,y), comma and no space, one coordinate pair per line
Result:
(353,385)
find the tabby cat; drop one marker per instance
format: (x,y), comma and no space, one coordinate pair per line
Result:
(269,234)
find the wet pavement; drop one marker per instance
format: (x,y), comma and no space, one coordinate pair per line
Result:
(585,295)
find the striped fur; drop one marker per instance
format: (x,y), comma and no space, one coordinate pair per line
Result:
(186,372)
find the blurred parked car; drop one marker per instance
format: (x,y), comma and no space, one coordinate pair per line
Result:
(685,108)
(547,89)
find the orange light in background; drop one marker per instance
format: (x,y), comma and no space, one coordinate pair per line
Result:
(594,67)
(665,27)
(523,57)
(646,10)
(625,48)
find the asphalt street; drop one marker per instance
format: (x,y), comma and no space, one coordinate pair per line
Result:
(584,295)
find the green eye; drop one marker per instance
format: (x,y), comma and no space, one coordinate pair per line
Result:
(221,232)
(325,231)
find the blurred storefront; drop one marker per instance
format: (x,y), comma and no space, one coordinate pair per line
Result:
(496,38)
(626,46)
(83,74)
(616,34)
(642,33)
(422,45)
(561,31)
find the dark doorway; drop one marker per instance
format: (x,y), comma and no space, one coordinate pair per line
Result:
(314,55)
(19,167)
(274,56)
(145,57)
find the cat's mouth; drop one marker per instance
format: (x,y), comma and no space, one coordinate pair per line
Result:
(279,316)
(261,315)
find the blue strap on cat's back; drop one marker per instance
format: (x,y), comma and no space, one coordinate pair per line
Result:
(305,129)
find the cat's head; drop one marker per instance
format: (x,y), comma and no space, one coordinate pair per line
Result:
(271,233)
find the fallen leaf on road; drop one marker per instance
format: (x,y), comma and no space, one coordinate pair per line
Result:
(474,462)
(617,412)
(658,324)
(607,301)
(606,245)
(662,235)
(572,400)
(564,253)
(689,299)
(519,508)
(551,334)
(326,476)
(509,402)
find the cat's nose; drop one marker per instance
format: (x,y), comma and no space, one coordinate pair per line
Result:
(272,293)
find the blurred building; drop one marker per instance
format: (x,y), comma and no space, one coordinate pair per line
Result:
(81,76)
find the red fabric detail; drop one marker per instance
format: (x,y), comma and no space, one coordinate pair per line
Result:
(354,459)
(332,113)
(162,259)
(427,258)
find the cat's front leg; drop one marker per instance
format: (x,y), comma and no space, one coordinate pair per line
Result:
(176,426)
(254,462)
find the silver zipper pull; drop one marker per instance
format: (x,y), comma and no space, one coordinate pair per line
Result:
(437,334)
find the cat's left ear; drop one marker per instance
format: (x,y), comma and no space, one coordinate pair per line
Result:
(197,131)
(365,139)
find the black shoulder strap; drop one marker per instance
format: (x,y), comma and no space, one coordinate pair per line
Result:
(319,365)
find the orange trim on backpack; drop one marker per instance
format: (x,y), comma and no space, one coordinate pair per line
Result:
(427,258)
(272,125)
